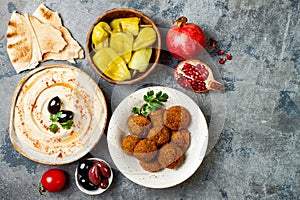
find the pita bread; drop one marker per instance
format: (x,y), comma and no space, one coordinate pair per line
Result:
(47,16)
(22,43)
(39,37)
(49,38)
(72,49)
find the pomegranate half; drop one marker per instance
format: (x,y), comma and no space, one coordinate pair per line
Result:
(186,40)
(196,75)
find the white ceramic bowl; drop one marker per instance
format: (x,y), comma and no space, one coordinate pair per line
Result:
(99,190)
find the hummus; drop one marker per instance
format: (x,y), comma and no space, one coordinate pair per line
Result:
(31,118)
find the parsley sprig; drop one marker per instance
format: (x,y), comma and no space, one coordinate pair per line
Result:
(153,102)
(54,118)
(53,128)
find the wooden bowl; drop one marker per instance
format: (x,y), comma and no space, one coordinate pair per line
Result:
(108,16)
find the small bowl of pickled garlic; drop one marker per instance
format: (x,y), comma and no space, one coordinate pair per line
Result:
(123,46)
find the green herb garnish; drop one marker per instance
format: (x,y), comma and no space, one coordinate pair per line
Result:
(153,102)
(54,118)
(67,124)
(53,128)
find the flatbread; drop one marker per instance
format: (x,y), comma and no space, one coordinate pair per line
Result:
(72,50)
(22,46)
(47,16)
(49,38)
(39,37)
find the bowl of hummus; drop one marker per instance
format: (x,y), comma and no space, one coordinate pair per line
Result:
(45,136)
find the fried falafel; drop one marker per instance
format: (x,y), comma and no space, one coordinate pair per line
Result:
(152,166)
(169,154)
(181,138)
(138,126)
(128,144)
(159,134)
(177,163)
(156,117)
(176,118)
(145,150)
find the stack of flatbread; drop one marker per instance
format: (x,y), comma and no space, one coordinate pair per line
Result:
(39,37)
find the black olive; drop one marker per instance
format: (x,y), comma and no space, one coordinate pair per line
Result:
(83,167)
(65,116)
(86,184)
(54,105)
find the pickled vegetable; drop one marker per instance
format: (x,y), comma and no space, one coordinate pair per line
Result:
(122,43)
(124,47)
(140,59)
(145,38)
(130,24)
(102,44)
(111,64)
(100,33)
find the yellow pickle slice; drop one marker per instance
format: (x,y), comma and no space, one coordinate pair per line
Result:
(100,33)
(122,43)
(111,64)
(130,24)
(140,59)
(145,38)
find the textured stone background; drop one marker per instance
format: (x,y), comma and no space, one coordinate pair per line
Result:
(255,120)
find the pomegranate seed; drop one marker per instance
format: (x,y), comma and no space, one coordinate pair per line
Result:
(203,88)
(220,52)
(229,56)
(222,61)
(213,42)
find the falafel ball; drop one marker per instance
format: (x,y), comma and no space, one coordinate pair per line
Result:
(181,138)
(177,163)
(145,150)
(177,117)
(168,154)
(129,142)
(139,126)
(156,117)
(159,134)
(152,166)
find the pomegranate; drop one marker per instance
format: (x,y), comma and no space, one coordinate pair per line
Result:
(196,75)
(186,40)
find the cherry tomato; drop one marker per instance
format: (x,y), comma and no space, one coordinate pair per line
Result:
(53,180)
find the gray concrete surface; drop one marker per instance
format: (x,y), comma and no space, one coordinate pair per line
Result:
(254,123)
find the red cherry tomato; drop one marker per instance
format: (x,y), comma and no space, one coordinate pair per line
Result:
(53,180)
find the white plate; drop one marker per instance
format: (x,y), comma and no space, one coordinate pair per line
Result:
(78,93)
(129,166)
